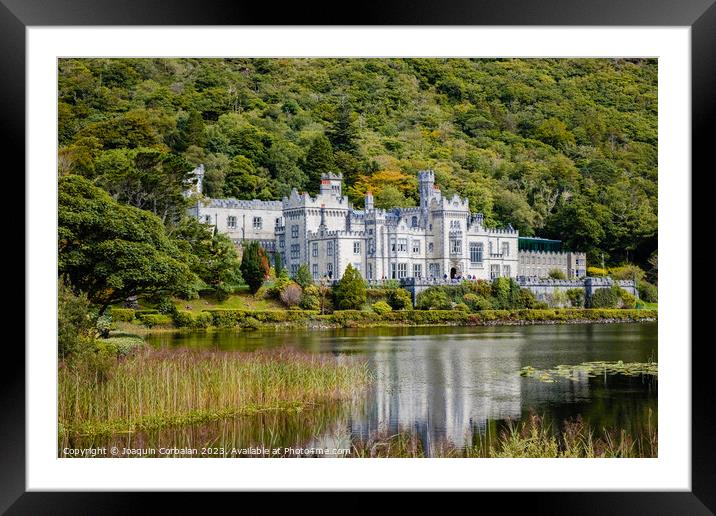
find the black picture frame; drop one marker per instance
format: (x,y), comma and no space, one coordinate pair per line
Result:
(700,15)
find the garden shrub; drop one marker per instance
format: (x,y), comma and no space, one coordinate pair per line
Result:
(648,292)
(461,307)
(75,324)
(433,298)
(628,301)
(166,306)
(400,299)
(576,297)
(310,299)
(382,308)
(350,292)
(596,272)
(605,298)
(373,295)
(152,320)
(122,314)
(291,294)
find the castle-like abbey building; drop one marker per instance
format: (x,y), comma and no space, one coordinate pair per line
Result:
(438,240)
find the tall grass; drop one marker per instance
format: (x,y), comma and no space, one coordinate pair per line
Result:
(531,438)
(153,389)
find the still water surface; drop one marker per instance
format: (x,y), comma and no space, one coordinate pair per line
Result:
(446,383)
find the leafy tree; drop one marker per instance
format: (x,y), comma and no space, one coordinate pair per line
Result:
(399,299)
(245,181)
(254,265)
(350,292)
(342,132)
(212,256)
(433,298)
(112,251)
(303,276)
(148,179)
(319,160)
(278,264)
(75,322)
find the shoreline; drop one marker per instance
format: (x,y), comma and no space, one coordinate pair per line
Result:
(254,320)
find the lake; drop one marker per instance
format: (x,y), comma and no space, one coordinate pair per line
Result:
(444,384)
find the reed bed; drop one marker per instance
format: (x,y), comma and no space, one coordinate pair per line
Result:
(153,389)
(531,438)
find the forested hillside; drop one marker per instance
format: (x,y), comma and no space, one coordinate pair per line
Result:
(563,148)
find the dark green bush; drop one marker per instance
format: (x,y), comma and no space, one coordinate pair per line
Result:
(648,292)
(576,297)
(399,299)
(605,298)
(76,324)
(433,298)
(166,306)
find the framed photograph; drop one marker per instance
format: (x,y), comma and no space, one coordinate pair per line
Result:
(415,253)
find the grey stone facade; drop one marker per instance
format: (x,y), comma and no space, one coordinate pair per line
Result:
(438,240)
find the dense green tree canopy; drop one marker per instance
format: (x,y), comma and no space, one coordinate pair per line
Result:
(112,251)
(562,148)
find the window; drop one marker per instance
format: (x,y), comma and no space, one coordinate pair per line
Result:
(417,270)
(314,249)
(207,218)
(258,222)
(329,270)
(356,247)
(281,243)
(434,270)
(329,249)
(505,249)
(454,224)
(356,266)
(506,271)
(402,245)
(294,268)
(430,247)
(392,270)
(414,222)
(278,221)
(231,222)
(475,252)
(371,247)
(416,246)
(295,251)
(294,231)
(392,244)
(314,268)
(402,270)
(494,271)
(369,271)
(455,246)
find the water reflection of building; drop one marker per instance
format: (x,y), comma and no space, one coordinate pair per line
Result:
(444,389)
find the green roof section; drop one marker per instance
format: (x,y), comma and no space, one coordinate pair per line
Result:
(539,244)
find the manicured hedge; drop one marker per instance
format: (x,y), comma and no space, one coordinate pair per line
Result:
(352,318)
(122,314)
(185,319)
(151,320)
(230,318)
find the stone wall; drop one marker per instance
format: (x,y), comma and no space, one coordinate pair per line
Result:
(542,288)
